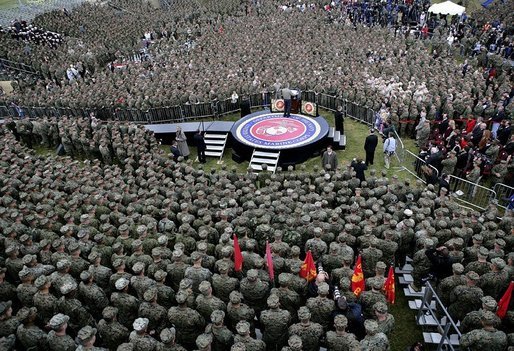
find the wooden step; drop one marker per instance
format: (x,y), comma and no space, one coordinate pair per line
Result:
(215,142)
(215,136)
(405,269)
(427,320)
(213,153)
(214,147)
(265,154)
(416,305)
(435,338)
(337,136)
(342,142)
(331,132)
(259,168)
(264,160)
(409,292)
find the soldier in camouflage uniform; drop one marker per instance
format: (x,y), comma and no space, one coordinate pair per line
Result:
(309,332)
(321,306)
(340,340)
(222,336)
(8,323)
(222,283)
(275,322)
(316,245)
(495,282)
(465,298)
(289,299)
(238,311)
(30,335)
(446,286)
(369,298)
(26,290)
(140,338)
(86,338)
(206,302)
(196,272)
(243,336)
(91,294)
(486,338)
(57,339)
(188,322)
(68,303)
(472,320)
(480,266)
(384,319)
(112,332)
(168,343)
(380,269)
(254,291)
(294,343)
(150,309)
(126,304)
(374,340)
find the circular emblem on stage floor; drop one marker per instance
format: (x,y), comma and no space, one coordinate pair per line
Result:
(272,131)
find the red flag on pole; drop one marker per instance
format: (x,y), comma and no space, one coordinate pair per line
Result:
(238,257)
(503,305)
(308,270)
(358,278)
(389,287)
(269,262)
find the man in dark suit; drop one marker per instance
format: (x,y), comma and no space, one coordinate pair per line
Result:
(200,146)
(339,119)
(370,144)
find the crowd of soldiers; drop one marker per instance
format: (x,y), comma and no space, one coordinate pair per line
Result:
(234,51)
(130,250)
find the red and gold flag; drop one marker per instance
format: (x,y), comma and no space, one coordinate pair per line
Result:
(389,287)
(358,278)
(503,305)
(308,270)
(238,257)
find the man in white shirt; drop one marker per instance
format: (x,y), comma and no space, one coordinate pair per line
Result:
(389,149)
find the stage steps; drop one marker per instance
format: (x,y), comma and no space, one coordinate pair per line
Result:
(270,158)
(215,145)
(338,140)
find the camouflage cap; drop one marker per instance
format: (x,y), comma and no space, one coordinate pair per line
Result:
(235,297)
(63,264)
(238,346)
(500,242)
(243,327)
(27,259)
(137,243)
(371,326)
(380,265)
(340,321)
(304,313)
(204,287)
(217,316)
(93,256)
(85,275)
(478,237)
(85,334)
(24,273)
(109,312)
(41,281)
(58,320)
(273,301)
(181,296)
(490,303)
(140,324)
(295,342)
(138,267)
(252,274)
(185,283)
(195,256)
(203,341)
(458,268)
(118,262)
(488,317)
(168,335)
(323,288)
(472,275)
(121,283)
(150,294)
(499,262)
(68,287)
(163,239)
(160,275)
(380,307)
(25,312)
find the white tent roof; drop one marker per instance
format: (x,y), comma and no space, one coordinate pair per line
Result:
(447,8)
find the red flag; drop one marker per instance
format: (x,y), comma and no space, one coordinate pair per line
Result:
(269,262)
(308,270)
(389,287)
(238,257)
(358,278)
(503,305)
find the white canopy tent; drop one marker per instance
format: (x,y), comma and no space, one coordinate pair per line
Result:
(447,8)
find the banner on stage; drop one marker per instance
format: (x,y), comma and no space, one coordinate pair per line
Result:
(309,108)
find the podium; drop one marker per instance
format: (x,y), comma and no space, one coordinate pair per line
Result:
(296,101)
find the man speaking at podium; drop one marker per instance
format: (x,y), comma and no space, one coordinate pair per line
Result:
(286,95)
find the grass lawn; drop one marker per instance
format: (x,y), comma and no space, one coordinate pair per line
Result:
(6,4)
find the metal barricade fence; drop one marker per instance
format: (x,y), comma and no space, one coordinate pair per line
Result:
(414,164)
(225,107)
(503,194)
(351,110)
(200,110)
(309,96)
(471,193)
(327,101)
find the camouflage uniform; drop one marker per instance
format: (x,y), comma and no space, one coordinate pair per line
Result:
(188,322)
(340,340)
(112,332)
(310,333)
(487,338)
(321,307)
(274,322)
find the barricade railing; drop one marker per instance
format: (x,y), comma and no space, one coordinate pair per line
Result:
(199,110)
(471,193)
(17,66)
(226,107)
(414,164)
(442,318)
(170,114)
(503,194)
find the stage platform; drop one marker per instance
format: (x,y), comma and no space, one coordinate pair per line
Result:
(298,137)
